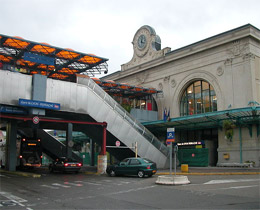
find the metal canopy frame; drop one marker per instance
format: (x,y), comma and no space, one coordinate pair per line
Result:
(124,89)
(30,58)
(241,117)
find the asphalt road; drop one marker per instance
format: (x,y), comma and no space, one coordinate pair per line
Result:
(81,191)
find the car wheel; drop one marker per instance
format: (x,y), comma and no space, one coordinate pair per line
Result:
(112,173)
(140,174)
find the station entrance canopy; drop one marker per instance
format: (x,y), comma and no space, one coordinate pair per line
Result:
(241,117)
(31,58)
(124,89)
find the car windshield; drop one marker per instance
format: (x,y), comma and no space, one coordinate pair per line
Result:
(66,159)
(125,160)
(147,160)
(70,160)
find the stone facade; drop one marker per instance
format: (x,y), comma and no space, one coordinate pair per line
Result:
(230,62)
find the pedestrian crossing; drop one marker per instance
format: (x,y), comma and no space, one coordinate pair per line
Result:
(80,183)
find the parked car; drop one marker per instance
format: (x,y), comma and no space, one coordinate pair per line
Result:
(64,164)
(133,166)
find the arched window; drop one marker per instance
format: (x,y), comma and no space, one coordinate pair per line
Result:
(199,97)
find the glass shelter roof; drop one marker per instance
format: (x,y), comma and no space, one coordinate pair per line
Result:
(41,58)
(241,117)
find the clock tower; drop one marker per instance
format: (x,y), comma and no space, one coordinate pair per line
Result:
(146,45)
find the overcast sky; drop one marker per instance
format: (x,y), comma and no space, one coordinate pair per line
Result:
(107,27)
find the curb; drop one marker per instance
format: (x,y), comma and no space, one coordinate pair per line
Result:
(33,175)
(21,173)
(211,173)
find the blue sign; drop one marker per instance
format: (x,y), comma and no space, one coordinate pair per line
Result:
(170,135)
(12,110)
(38,58)
(39,104)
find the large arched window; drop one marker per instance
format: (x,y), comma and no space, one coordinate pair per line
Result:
(198,98)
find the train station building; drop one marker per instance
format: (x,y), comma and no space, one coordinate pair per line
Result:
(210,93)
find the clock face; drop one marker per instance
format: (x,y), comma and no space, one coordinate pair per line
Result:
(141,41)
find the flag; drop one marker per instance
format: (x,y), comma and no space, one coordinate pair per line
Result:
(165,114)
(168,115)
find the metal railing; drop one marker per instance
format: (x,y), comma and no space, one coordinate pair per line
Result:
(125,115)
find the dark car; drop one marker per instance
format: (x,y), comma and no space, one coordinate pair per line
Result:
(64,164)
(133,166)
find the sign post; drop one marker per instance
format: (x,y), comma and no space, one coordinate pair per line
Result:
(170,139)
(175,158)
(136,149)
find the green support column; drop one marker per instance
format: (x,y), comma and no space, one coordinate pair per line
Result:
(240,144)
(11,156)
(69,142)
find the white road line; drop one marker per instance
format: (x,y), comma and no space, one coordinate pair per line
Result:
(230,181)
(51,187)
(133,190)
(60,185)
(14,198)
(123,182)
(230,188)
(90,183)
(5,176)
(73,184)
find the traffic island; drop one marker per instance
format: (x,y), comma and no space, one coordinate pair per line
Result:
(172,180)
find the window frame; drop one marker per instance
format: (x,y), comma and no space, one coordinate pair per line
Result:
(198,98)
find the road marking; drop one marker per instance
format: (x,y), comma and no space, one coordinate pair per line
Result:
(51,187)
(14,199)
(60,185)
(91,183)
(73,184)
(133,190)
(5,176)
(230,181)
(107,180)
(123,182)
(229,188)
(241,187)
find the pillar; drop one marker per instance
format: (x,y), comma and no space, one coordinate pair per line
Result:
(92,152)
(69,142)
(102,158)
(11,156)
(240,145)
(104,142)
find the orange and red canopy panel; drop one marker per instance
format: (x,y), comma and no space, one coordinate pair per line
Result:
(30,57)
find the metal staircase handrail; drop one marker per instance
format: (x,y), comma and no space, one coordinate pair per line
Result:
(125,115)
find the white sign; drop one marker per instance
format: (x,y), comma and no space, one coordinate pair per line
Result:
(117,143)
(36,120)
